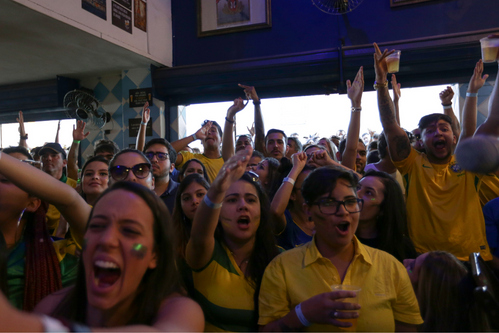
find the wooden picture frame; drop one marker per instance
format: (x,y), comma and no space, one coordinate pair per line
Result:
(216,17)
(396,3)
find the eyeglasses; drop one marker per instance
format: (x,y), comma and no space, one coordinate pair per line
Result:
(330,206)
(120,172)
(36,164)
(253,175)
(161,156)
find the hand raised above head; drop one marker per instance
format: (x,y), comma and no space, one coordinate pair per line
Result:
(477,80)
(396,89)
(236,107)
(79,132)
(202,133)
(355,89)
(250,92)
(232,170)
(380,65)
(299,160)
(20,120)
(146,113)
(446,96)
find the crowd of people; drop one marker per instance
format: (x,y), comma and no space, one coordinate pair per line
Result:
(256,232)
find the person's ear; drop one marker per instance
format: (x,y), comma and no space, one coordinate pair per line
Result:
(33,204)
(307,209)
(154,261)
(64,163)
(172,167)
(454,139)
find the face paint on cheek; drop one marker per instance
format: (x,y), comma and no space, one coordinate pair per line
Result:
(139,250)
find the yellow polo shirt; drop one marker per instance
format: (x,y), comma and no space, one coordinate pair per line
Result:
(212,165)
(443,207)
(489,189)
(299,274)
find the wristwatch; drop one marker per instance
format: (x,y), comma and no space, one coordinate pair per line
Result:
(377,85)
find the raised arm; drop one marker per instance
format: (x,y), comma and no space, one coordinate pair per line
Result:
(202,241)
(259,127)
(22,132)
(283,194)
(141,136)
(182,143)
(42,185)
(78,135)
(57,132)
(398,142)
(354,91)
(396,97)
(446,98)
(321,158)
(228,139)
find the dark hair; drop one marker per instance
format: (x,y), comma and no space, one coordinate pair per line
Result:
(297,142)
(256,153)
(273,130)
(265,248)
(214,123)
(126,151)
(373,145)
(172,154)
(323,180)
(343,144)
(432,118)
(17,149)
(181,223)
(35,151)
(382,146)
(156,284)
(372,157)
(246,136)
(186,165)
(391,223)
(273,166)
(96,158)
(104,145)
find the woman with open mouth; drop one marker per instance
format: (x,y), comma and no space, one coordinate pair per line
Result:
(231,243)
(127,274)
(297,287)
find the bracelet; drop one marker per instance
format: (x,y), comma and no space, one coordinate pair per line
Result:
(230,121)
(76,141)
(289,180)
(468,94)
(143,123)
(211,204)
(446,107)
(53,325)
(377,85)
(257,102)
(357,108)
(300,315)
(194,138)
(25,137)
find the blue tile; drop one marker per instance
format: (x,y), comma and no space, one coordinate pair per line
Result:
(100,91)
(117,91)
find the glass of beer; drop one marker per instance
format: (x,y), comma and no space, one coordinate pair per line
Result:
(355,299)
(490,49)
(393,62)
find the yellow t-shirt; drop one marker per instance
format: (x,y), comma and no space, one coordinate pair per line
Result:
(212,165)
(443,207)
(489,189)
(299,274)
(53,216)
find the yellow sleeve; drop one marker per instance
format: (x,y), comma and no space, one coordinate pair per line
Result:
(185,157)
(273,302)
(406,165)
(405,307)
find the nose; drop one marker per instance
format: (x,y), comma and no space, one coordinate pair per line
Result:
(109,237)
(341,211)
(131,177)
(242,204)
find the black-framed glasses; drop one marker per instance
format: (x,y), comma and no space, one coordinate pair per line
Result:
(329,206)
(253,176)
(161,156)
(120,172)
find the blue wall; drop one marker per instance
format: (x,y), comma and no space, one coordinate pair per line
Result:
(298,26)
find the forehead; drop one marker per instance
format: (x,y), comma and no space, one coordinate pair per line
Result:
(275,136)
(342,189)
(157,147)
(129,159)
(243,138)
(242,187)
(373,182)
(194,164)
(213,129)
(438,123)
(193,187)
(312,149)
(96,165)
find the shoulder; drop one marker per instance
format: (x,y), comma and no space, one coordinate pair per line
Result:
(50,302)
(179,313)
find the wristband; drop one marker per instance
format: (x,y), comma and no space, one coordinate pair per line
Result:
(143,123)
(468,94)
(194,138)
(377,85)
(257,102)
(447,106)
(230,121)
(300,315)
(53,325)
(211,204)
(357,108)
(25,137)
(289,180)
(76,141)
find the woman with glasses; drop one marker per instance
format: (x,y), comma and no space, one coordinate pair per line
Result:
(133,166)
(231,243)
(296,290)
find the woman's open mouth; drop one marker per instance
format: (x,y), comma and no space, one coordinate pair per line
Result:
(106,273)
(243,222)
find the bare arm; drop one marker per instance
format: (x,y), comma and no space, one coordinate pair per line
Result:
(396,97)
(182,143)
(22,132)
(57,132)
(259,127)
(141,136)
(398,142)
(228,139)
(42,185)
(322,158)
(283,194)
(355,91)
(202,241)
(78,135)
(446,98)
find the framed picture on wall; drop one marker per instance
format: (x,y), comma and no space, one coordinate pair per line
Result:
(217,17)
(395,3)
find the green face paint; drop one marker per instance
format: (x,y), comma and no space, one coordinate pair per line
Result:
(139,250)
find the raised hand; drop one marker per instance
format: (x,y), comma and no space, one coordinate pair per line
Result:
(355,89)
(380,65)
(235,108)
(321,158)
(250,92)
(202,133)
(252,129)
(20,120)
(79,132)
(477,80)
(146,113)
(396,89)
(299,160)
(232,170)
(446,96)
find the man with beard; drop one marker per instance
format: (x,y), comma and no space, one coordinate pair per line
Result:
(162,156)
(443,206)
(276,143)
